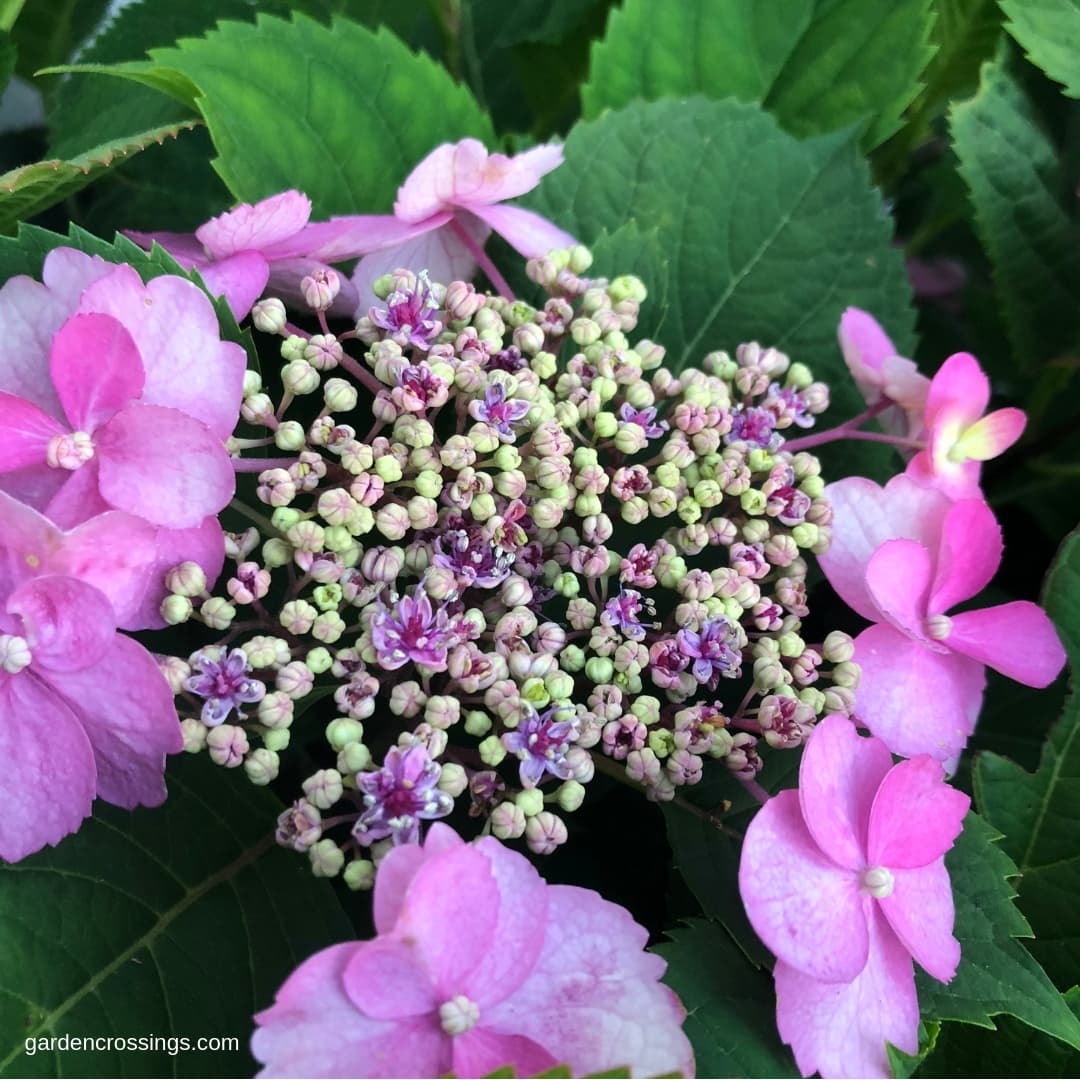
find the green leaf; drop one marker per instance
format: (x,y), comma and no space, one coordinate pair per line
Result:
(905,1065)
(1038,812)
(172,83)
(28,190)
(996,973)
(819,65)
(495,25)
(729,1002)
(47,31)
(9,12)
(178,921)
(1049,33)
(339,112)
(8,56)
(766,238)
(1013,173)
(1013,1050)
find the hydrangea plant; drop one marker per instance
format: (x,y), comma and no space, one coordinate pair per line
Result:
(489,571)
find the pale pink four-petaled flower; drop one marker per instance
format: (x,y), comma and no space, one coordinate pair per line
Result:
(845,881)
(478,964)
(904,556)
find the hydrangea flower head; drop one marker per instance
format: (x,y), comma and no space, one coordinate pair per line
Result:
(845,881)
(902,556)
(478,963)
(400,795)
(961,437)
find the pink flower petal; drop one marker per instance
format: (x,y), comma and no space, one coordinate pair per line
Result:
(30,314)
(114,552)
(806,908)
(865,346)
(25,431)
(838,777)
(921,912)
(253,228)
(441,253)
(898,578)
(204,544)
(95,368)
(934,468)
(387,979)
(162,465)
(1017,639)
(865,516)
(46,767)
(79,498)
(400,866)
(188,367)
(343,238)
(508,177)
(916,700)
(959,392)
(481,1052)
(183,247)
(456,888)
(449,174)
(130,732)
(840,1029)
(521,888)
(593,1000)
(240,278)
(916,816)
(34,485)
(992,435)
(529,234)
(907,387)
(969,555)
(313,1029)
(68,624)
(68,273)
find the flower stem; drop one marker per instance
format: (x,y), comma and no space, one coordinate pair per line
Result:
(478,253)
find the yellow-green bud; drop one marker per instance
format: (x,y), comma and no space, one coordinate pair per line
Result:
(492,751)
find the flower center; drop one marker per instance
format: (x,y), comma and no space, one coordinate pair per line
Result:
(878,882)
(14,653)
(69,451)
(938,627)
(458,1015)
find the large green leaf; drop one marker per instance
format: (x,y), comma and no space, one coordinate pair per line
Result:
(1049,32)
(337,111)
(28,190)
(766,237)
(1019,194)
(729,1002)
(996,974)
(181,921)
(1039,812)
(818,65)
(1013,1050)
(46,31)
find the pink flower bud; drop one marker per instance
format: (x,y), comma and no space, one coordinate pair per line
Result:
(320,289)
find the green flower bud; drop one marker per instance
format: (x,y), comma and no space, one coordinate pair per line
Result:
(572,658)
(217,613)
(477,723)
(276,740)
(530,801)
(838,647)
(647,709)
(319,660)
(806,535)
(387,468)
(290,436)
(791,645)
(276,552)
(661,742)
(342,731)
(567,584)
(327,859)
(359,875)
(627,287)
(492,751)
(667,474)
(261,766)
(599,669)
(570,795)
(176,609)
(605,424)
(753,501)
(354,757)
(340,396)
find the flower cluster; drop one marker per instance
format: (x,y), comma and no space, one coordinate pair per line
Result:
(538,558)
